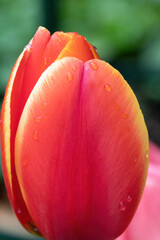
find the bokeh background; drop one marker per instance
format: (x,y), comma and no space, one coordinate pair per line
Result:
(126,34)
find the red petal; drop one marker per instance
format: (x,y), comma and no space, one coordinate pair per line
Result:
(14,192)
(81,151)
(56,44)
(94,51)
(52,114)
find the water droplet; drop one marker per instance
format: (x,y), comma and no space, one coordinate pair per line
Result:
(42,28)
(74,68)
(44,105)
(122,206)
(38,119)
(19,211)
(147,154)
(135,160)
(35,229)
(35,135)
(93,65)
(117,106)
(69,76)
(129,198)
(124,115)
(107,87)
(24,162)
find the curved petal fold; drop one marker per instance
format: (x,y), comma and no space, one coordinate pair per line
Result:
(78,47)
(7,145)
(146,222)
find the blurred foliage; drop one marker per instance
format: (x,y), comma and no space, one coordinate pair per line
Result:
(19,20)
(9,237)
(114,26)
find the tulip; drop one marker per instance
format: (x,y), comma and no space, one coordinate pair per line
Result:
(146,222)
(74,141)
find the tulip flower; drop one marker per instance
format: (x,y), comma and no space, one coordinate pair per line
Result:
(74,141)
(146,222)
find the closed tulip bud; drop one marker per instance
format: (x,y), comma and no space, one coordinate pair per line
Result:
(74,141)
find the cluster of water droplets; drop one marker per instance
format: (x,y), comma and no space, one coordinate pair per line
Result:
(123,204)
(108,88)
(69,74)
(37,120)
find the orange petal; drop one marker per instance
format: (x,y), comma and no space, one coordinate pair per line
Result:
(78,47)
(94,51)
(81,151)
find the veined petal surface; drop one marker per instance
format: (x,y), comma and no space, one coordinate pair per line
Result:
(81,151)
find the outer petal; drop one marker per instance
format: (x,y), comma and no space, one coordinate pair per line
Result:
(85,172)
(94,51)
(10,178)
(146,222)
(117,148)
(53,113)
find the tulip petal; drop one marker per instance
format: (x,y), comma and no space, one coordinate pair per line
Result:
(94,51)
(80,151)
(20,85)
(57,91)
(7,146)
(78,47)
(56,44)
(146,222)
(118,140)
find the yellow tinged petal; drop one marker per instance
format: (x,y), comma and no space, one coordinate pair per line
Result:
(6,122)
